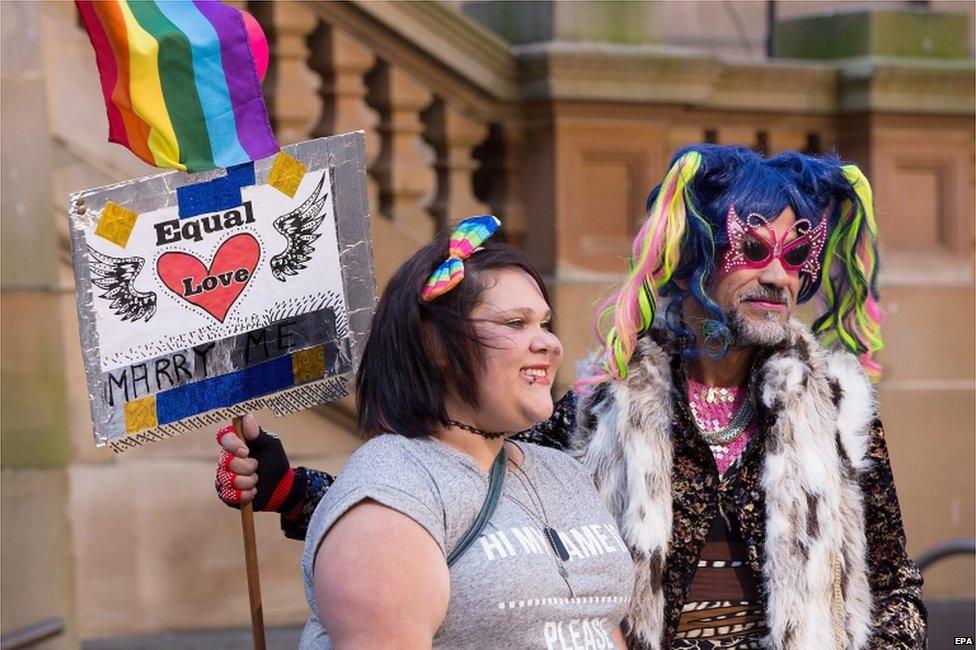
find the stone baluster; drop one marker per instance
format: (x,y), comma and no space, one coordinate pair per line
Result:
(454,136)
(291,88)
(505,192)
(342,62)
(404,167)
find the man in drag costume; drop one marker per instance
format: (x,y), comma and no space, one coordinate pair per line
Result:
(739,449)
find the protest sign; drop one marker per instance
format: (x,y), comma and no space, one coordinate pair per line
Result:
(202,297)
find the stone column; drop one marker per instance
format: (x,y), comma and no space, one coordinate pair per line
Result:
(454,136)
(905,95)
(38,571)
(404,168)
(499,178)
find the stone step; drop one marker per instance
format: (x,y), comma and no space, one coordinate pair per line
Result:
(278,638)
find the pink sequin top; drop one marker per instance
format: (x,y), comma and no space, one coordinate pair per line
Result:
(714,408)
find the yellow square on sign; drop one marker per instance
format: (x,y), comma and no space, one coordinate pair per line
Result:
(140,414)
(286,174)
(116,224)
(308,365)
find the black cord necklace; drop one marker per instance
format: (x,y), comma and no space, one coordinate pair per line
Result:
(481,432)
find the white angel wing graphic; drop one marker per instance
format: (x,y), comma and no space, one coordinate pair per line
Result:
(117,276)
(298,227)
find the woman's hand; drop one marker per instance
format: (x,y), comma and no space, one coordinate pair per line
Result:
(257,472)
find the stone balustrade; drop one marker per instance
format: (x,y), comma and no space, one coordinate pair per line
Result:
(445,140)
(326,79)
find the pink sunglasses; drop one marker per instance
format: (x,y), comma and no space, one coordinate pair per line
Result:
(750,248)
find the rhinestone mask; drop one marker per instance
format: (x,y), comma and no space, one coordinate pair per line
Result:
(753,244)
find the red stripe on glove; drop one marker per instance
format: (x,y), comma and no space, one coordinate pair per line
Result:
(281,491)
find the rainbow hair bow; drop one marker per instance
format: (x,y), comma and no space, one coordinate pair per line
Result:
(466,238)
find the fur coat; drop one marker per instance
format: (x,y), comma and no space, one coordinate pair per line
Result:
(812,494)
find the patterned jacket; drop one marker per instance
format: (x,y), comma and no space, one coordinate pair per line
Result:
(813,496)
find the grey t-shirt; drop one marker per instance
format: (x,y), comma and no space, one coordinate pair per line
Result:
(506,590)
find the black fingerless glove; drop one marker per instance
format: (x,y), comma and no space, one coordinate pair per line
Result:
(279,488)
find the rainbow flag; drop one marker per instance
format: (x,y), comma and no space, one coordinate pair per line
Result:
(181,80)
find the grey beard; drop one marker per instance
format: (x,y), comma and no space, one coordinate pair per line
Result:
(746,332)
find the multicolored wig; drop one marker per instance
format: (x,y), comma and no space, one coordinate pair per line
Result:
(675,253)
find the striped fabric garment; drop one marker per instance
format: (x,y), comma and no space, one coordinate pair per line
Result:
(723,609)
(713,624)
(182,81)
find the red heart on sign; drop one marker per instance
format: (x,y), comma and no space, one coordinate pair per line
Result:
(216,288)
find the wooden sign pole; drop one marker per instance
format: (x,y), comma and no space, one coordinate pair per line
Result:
(251,561)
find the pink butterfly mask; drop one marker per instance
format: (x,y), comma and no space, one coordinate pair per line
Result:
(754,244)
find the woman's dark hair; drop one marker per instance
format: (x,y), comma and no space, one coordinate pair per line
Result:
(417,349)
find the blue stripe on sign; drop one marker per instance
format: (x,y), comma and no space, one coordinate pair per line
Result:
(225,390)
(217,195)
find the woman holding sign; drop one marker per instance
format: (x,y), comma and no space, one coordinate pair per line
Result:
(439,530)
